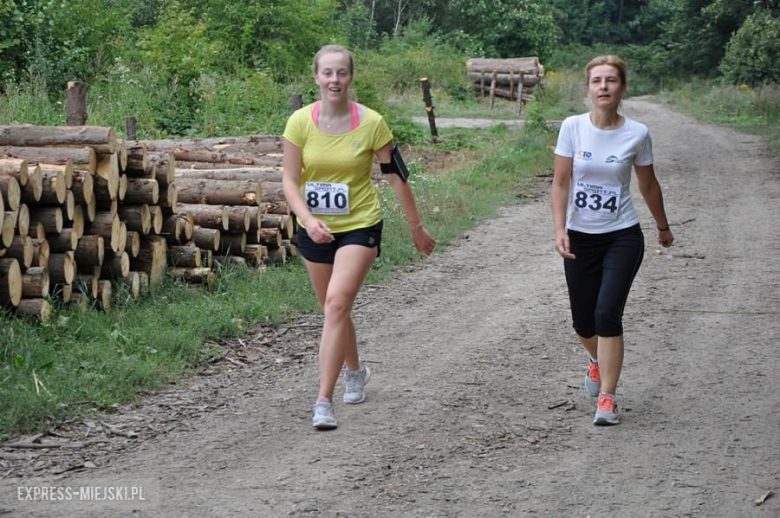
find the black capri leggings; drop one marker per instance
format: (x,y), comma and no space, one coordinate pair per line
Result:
(600,278)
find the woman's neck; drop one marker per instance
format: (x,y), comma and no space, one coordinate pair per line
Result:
(609,119)
(332,110)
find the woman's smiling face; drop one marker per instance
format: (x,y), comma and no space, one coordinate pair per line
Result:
(333,76)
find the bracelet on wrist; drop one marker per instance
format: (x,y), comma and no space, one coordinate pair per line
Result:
(662,229)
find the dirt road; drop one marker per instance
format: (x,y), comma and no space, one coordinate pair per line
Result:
(476,406)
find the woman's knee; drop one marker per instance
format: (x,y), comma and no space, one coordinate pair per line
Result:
(337,306)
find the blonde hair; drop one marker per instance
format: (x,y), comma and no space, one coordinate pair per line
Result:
(327,49)
(610,60)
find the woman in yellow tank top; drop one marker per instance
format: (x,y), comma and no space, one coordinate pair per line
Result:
(329,147)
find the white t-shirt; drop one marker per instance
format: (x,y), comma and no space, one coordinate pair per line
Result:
(599,194)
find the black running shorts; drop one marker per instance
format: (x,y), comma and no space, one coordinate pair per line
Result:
(326,253)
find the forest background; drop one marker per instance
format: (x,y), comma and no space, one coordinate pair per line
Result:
(197,68)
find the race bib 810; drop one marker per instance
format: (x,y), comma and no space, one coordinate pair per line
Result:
(327,198)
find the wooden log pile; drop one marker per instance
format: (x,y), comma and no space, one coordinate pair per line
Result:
(80,209)
(84,213)
(510,78)
(230,191)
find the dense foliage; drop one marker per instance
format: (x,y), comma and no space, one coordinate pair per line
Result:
(197,67)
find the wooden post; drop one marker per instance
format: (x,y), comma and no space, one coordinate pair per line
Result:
(482,84)
(520,102)
(296,101)
(512,84)
(492,90)
(76,104)
(426,86)
(130,128)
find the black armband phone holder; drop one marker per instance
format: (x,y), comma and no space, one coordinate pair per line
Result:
(396,165)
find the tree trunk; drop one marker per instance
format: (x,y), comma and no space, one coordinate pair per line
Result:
(11,194)
(90,251)
(195,275)
(272,192)
(54,187)
(16,168)
(133,283)
(108,225)
(103,139)
(142,190)
(207,238)
(24,221)
(258,174)
(184,256)
(80,158)
(136,217)
(152,257)
(10,282)
(505,79)
(206,216)
(41,252)
(62,268)
(34,307)
(35,283)
(64,241)
(157,216)
(116,266)
(277,255)
(239,218)
(51,217)
(279,207)
(87,284)
(223,192)
(22,250)
(232,243)
(104,295)
(83,187)
(76,104)
(169,198)
(133,243)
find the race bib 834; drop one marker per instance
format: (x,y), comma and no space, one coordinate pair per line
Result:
(597,200)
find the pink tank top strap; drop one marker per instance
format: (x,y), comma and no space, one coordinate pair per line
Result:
(353,108)
(315,112)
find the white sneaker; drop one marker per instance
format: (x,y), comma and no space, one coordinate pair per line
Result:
(606,411)
(323,416)
(356,380)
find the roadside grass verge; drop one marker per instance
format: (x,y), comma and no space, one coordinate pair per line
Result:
(752,110)
(79,363)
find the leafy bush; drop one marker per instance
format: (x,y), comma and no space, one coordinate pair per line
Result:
(753,53)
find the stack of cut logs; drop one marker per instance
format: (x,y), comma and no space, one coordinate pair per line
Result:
(231,190)
(81,211)
(511,78)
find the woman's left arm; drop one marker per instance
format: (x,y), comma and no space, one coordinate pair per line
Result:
(423,241)
(651,192)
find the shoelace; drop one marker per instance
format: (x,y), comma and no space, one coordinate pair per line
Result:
(593,372)
(605,404)
(352,380)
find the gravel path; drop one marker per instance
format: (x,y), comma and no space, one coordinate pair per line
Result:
(476,406)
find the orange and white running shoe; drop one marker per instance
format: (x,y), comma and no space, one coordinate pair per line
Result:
(593,379)
(606,411)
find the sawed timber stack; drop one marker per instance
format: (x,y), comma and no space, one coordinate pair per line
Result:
(230,189)
(511,78)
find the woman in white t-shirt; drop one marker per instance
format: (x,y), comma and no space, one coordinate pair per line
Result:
(597,230)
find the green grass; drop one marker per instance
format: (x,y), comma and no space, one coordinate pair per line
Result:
(752,110)
(82,362)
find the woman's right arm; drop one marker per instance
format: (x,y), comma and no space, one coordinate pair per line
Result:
(291,184)
(560,201)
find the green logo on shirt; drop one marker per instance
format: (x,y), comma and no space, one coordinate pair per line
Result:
(612,159)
